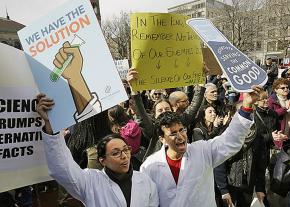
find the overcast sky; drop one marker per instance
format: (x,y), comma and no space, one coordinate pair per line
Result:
(26,11)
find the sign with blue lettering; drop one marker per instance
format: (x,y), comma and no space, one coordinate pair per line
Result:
(240,70)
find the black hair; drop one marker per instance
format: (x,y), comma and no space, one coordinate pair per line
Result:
(166,119)
(117,115)
(201,114)
(102,145)
(87,134)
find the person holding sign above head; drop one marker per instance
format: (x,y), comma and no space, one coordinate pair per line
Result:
(189,167)
(161,106)
(116,185)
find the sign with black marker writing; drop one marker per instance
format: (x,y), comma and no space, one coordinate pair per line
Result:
(240,70)
(122,68)
(165,51)
(22,158)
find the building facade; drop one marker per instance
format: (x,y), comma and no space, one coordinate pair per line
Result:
(258,30)
(199,8)
(8,32)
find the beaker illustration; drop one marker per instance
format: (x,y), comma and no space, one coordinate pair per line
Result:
(56,73)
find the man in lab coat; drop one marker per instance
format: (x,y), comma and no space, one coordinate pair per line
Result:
(183,173)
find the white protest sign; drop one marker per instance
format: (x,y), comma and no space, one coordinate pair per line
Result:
(241,71)
(122,67)
(22,159)
(72,64)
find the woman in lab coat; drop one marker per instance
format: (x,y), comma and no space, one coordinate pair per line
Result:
(116,185)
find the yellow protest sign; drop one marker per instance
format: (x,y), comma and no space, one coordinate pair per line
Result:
(165,51)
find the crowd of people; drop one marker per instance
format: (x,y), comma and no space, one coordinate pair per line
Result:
(205,145)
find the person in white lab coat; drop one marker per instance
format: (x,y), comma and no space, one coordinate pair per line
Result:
(183,172)
(116,185)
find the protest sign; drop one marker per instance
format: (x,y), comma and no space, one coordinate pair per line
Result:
(76,69)
(165,51)
(211,62)
(22,159)
(122,68)
(241,72)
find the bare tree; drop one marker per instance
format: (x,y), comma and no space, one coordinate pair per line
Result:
(117,34)
(239,22)
(278,23)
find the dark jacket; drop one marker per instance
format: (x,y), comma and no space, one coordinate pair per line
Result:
(148,122)
(200,132)
(272,72)
(280,111)
(219,106)
(265,127)
(245,169)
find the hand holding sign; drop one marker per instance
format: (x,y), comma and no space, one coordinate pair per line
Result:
(165,51)
(44,104)
(252,97)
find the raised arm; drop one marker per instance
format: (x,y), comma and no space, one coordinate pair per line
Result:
(189,114)
(145,122)
(60,163)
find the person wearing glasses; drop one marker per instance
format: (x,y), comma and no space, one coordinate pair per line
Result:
(188,168)
(116,185)
(279,103)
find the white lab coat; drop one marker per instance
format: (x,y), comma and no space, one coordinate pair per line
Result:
(93,187)
(195,186)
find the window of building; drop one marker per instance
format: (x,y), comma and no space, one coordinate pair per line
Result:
(281,45)
(258,45)
(272,21)
(271,33)
(271,46)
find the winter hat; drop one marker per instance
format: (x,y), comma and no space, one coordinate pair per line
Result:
(131,133)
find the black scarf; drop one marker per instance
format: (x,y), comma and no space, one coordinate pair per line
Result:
(124,181)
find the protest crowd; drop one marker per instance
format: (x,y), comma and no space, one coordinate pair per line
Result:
(201,145)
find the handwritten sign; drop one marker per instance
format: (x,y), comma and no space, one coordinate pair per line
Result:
(122,67)
(165,51)
(240,70)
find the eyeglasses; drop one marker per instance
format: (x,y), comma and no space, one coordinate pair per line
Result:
(118,153)
(157,94)
(283,88)
(174,135)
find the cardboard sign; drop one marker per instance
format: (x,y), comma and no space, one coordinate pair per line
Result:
(241,72)
(72,64)
(165,51)
(211,62)
(22,159)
